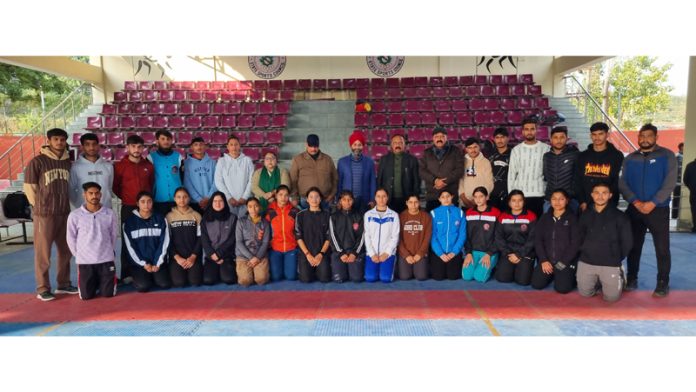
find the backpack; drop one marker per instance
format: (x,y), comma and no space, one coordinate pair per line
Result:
(16,206)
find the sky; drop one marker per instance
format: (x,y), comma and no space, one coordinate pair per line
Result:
(679,74)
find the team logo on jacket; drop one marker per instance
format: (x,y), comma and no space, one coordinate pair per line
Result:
(385,66)
(356,226)
(523,227)
(486,226)
(267,67)
(456,223)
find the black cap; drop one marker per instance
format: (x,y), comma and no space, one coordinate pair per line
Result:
(312,140)
(437,130)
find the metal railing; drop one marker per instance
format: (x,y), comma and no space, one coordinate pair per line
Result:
(593,112)
(14,159)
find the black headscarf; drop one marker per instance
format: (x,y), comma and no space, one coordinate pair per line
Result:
(211,215)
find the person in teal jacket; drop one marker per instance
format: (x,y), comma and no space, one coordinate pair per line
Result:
(449,236)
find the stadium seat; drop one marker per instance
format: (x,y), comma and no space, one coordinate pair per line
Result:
(185,108)
(245,121)
(262,121)
(195,96)
(219,137)
(395,119)
(194,122)
(234,108)
(349,84)
(450,81)
(274,137)
(256,138)
(94,122)
(228,122)
(265,107)
(177,122)
(211,121)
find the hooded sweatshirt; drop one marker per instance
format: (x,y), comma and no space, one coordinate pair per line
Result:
(46,183)
(477,172)
(199,177)
(605,237)
(92,236)
(595,167)
(147,240)
(218,237)
(233,176)
(84,170)
(185,232)
(649,176)
(167,174)
(248,243)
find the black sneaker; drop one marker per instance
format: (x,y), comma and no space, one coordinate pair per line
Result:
(45,296)
(631,284)
(67,290)
(661,290)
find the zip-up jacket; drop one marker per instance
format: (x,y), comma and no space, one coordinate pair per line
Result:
(312,227)
(595,167)
(368,179)
(450,167)
(84,170)
(199,177)
(92,236)
(649,176)
(605,237)
(306,172)
(449,230)
(347,233)
(218,237)
(559,171)
(381,233)
(185,233)
(515,234)
(167,174)
(46,183)
(282,222)
(500,164)
(248,243)
(132,178)
(557,239)
(233,176)
(480,230)
(147,240)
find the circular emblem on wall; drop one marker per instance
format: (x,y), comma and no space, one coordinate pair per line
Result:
(385,66)
(267,67)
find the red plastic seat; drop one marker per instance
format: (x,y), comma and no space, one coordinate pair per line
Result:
(361,119)
(287,95)
(379,136)
(255,95)
(543,133)
(495,79)
(428,118)
(377,83)
(408,82)
(498,117)
(177,122)
(144,121)
(542,103)
(272,149)
(155,108)
(426,105)
(417,135)
(395,106)
(219,137)
(219,108)
(460,105)
(510,79)
(508,103)
(160,122)
(262,121)
(210,96)
(445,118)
(417,150)
(477,104)
(290,84)
(180,96)
(94,122)
(271,95)
(533,90)
(378,120)
(166,95)
(362,94)
(393,93)
(130,85)
(455,92)
(186,108)
(526,79)
(106,154)
(378,93)
(488,90)
(120,96)
(195,96)
(206,135)
(378,106)
(234,108)
(275,84)
(423,92)
(252,152)
(202,108)
(169,108)
(515,117)
(256,138)
(420,81)
(261,84)
(412,106)
(214,153)
(160,85)
(395,119)
(503,90)
(518,90)
(194,122)
(76,139)
(274,137)
(108,109)
(150,95)
(413,119)
(265,108)
(490,103)
(119,153)
(525,103)
(127,122)
(245,121)
(410,93)
(442,106)
(183,138)
(304,84)
(211,121)
(217,85)
(349,84)
(473,91)
(228,122)
(124,108)
(463,118)
(440,92)
(392,83)
(319,84)
(467,132)
(466,80)
(139,108)
(249,108)
(110,122)
(486,133)
(115,139)
(281,107)
(482,117)
(453,134)
(480,79)
(148,137)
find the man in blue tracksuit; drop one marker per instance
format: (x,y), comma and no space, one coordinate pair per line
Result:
(199,175)
(168,166)
(648,177)
(447,242)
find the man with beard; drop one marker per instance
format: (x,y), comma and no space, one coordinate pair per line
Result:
(648,177)
(441,167)
(90,167)
(356,173)
(526,167)
(398,174)
(477,172)
(313,168)
(132,175)
(500,161)
(600,163)
(168,166)
(559,167)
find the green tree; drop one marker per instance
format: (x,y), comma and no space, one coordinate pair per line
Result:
(22,84)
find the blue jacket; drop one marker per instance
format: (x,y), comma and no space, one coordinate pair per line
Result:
(449,230)
(167,174)
(369,179)
(649,177)
(199,177)
(146,240)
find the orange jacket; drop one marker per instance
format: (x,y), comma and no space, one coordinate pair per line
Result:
(282,222)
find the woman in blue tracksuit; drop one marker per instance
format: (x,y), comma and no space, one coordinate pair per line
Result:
(449,236)
(147,240)
(381,239)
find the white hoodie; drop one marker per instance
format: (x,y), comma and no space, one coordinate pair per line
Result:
(101,172)
(233,176)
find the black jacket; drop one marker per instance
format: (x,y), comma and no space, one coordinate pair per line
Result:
(346,233)
(451,167)
(689,178)
(594,167)
(218,236)
(500,164)
(515,234)
(557,240)
(605,237)
(312,227)
(410,179)
(480,230)
(559,170)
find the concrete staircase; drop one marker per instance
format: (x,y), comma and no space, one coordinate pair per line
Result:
(332,121)
(80,122)
(578,129)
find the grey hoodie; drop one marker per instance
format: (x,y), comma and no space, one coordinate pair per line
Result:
(101,172)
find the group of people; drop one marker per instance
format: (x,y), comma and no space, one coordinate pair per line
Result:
(531,214)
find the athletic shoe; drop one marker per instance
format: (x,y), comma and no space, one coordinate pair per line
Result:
(661,290)
(45,296)
(67,290)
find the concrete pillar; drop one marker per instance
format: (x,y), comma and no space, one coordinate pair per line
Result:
(689,144)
